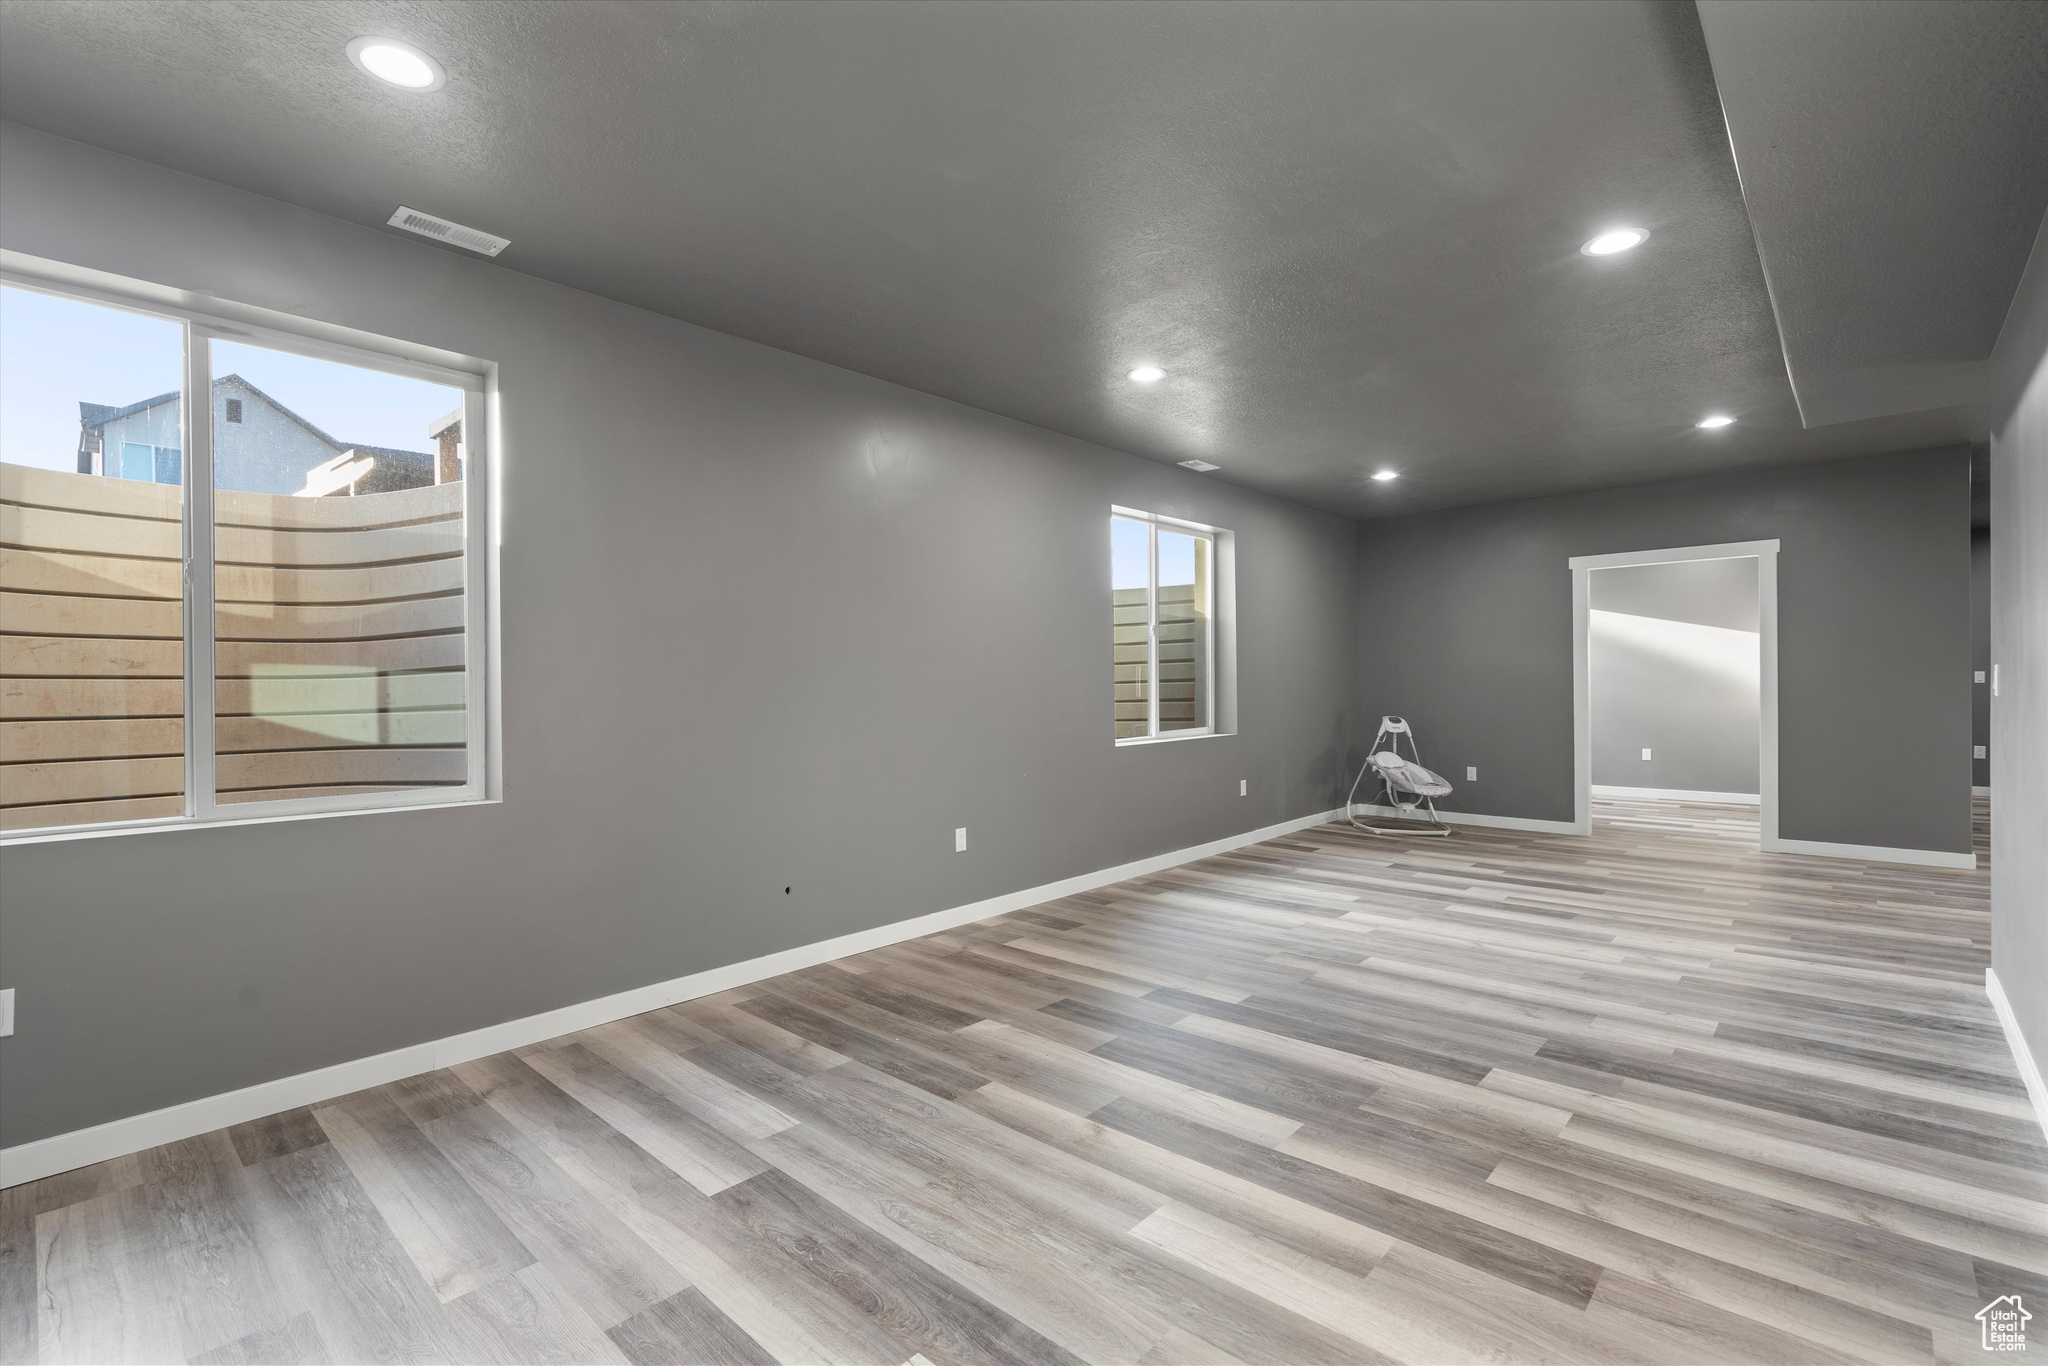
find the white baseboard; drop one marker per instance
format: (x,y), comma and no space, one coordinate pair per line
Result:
(1674,794)
(2022,1056)
(1980,791)
(1473,818)
(82,1147)
(1872,853)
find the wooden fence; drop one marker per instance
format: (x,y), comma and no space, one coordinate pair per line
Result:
(339,650)
(1183,660)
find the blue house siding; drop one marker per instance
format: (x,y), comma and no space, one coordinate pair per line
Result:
(259,445)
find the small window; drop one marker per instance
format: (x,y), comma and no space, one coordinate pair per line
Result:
(148,464)
(234,410)
(341,651)
(138,461)
(1163,627)
(92,596)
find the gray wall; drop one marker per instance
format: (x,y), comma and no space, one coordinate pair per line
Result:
(2019,647)
(1675,673)
(1466,629)
(1719,593)
(1980,654)
(766,623)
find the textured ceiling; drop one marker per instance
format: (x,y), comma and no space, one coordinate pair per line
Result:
(1895,162)
(1348,231)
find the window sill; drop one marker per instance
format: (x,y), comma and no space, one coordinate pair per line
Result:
(96,832)
(1177,736)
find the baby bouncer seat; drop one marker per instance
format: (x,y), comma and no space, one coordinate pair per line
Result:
(1404,784)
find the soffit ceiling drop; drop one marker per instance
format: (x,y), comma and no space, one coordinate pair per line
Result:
(1349,232)
(1895,161)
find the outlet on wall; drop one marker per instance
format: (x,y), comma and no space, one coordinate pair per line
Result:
(1980,676)
(960,840)
(6,1012)
(1471,775)
(1979,752)
(1646,756)
(1244,787)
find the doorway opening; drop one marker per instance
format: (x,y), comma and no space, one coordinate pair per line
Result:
(1675,678)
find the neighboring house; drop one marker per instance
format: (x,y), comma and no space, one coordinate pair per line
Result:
(259,446)
(140,441)
(447,433)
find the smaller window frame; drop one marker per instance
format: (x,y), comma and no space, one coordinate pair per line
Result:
(1153,523)
(202,801)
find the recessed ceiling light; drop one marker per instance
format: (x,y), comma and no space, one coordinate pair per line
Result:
(397,63)
(1147,374)
(1616,239)
(1199,466)
(1714,420)
(1382,476)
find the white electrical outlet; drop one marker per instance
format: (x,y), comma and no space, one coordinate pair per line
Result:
(6,1012)
(1646,756)
(1980,676)
(1979,752)
(1471,775)
(1244,787)
(960,840)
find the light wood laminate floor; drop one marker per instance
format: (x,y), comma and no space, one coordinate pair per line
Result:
(1644,1097)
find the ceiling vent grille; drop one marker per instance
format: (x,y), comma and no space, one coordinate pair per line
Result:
(1202,466)
(441,230)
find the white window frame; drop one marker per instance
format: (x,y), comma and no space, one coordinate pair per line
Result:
(283,332)
(1214,536)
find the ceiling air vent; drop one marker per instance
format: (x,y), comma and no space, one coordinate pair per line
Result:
(1202,466)
(441,230)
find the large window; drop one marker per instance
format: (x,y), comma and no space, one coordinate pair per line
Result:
(267,603)
(1163,625)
